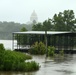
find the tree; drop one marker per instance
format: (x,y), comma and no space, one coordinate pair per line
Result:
(69,19)
(47,25)
(64,21)
(37,27)
(23,29)
(22,40)
(58,22)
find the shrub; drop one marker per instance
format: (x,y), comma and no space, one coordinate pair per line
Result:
(31,66)
(34,48)
(51,51)
(38,48)
(2,47)
(42,48)
(15,61)
(61,52)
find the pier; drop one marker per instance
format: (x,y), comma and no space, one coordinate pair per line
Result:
(60,40)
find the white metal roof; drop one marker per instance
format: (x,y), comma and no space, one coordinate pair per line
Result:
(41,32)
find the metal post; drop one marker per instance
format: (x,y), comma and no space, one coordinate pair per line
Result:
(46,43)
(12,41)
(17,41)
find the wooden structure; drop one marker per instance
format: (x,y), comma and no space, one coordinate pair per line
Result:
(60,40)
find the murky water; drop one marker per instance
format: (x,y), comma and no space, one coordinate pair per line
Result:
(7,43)
(54,66)
(57,66)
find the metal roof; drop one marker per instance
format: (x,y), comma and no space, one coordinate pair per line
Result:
(41,32)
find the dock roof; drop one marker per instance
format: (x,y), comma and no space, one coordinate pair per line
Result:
(42,32)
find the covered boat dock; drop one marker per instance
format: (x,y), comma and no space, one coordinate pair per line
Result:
(60,40)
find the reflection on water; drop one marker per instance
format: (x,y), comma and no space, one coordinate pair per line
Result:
(55,66)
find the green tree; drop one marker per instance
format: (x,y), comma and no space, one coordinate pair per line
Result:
(47,25)
(64,21)
(58,22)
(23,29)
(37,27)
(22,38)
(69,20)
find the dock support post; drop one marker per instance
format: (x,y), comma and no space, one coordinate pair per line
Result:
(12,41)
(46,43)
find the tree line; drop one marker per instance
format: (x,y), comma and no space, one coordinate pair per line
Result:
(63,21)
(6,29)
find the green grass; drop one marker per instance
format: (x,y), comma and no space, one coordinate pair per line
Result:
(15,61)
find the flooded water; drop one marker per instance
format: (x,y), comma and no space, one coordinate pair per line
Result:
(7,43)
(51,66)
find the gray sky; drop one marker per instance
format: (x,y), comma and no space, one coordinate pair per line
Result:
(20,10)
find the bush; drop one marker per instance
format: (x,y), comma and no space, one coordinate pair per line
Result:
(27,66)
(15,61)
(51,51)
(61,52)
(42,48)
(38,48)
(2,47)
(31,66)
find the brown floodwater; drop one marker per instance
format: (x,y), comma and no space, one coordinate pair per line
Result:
(51,66)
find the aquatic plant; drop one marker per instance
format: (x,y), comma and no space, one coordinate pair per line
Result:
(37,48)
(51,51)
(61,52)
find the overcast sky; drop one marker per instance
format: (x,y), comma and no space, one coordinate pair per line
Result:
(21,10)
